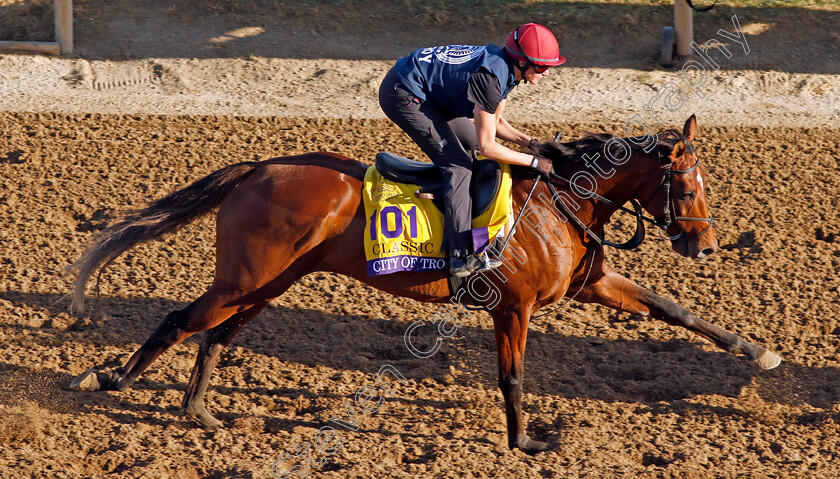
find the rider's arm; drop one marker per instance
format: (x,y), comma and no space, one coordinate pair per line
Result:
(487,127)
(484,91)
(507,132)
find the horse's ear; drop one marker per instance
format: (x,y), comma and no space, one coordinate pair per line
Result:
(678,151)
(690,128)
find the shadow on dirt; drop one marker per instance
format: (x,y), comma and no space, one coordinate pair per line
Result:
(649,372)
(603,35)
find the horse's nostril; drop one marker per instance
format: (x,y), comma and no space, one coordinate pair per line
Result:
(707,252)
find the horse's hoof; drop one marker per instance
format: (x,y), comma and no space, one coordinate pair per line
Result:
(768,360)
(530,446)
(200,415)
(210,423)
(86,381)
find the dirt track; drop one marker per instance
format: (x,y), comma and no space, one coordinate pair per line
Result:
(618,393)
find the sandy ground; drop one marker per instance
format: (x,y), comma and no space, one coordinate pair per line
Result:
(619,394)
(125,122)
(153,57)
(348,89)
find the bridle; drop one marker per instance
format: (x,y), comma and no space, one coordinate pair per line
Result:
(669,209)
(662,222)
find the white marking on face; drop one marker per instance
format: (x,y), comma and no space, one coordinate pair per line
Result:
(700,179)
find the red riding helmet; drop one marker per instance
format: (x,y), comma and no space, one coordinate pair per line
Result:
(534,44)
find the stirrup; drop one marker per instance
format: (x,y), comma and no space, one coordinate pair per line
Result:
(482,262)
(459,268)
(486,263)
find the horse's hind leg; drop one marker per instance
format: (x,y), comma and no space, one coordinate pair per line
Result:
(218,338)
(211,309)
(208,355)
(618,292)
(170,331)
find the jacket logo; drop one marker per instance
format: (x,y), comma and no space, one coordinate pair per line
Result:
(457,54)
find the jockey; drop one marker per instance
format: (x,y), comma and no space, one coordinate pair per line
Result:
(432,93)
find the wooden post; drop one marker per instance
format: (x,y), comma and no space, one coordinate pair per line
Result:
(684,23)
(64,25)
(63,44)
(49,48)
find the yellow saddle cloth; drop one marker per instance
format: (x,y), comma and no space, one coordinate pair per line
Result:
(405,233)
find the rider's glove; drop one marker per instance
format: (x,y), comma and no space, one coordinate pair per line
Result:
(542,165)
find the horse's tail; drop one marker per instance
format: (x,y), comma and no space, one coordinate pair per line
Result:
(160,218)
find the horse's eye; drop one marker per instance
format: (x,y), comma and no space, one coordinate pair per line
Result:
(687,196)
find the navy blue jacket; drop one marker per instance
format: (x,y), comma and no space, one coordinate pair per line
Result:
(439,74)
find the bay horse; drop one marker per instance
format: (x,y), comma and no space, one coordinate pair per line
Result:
(285,217)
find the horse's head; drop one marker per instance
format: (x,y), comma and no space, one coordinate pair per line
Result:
(676,197)
(664,176)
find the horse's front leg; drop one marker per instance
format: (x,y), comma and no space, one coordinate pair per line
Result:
(618,292)
(511,328)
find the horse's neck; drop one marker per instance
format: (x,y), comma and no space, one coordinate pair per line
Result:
(619,184)
(619,188)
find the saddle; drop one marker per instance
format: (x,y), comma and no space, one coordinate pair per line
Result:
(484,185)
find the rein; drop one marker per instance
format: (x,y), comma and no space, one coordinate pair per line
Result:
(632,243)
(662,222)
(668,217)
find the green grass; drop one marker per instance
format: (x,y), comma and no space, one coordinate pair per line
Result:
(497,13)
(485,6)
(497,7)
(32,19)
(466,5)
(813,4)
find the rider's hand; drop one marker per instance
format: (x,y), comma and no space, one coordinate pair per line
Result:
(542,165)
(533,144)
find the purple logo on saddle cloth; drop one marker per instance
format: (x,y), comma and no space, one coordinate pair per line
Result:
(480,239)
(396,264)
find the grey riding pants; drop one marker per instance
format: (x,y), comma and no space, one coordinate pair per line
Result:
(445,139)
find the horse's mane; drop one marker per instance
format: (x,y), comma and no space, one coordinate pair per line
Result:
(572,153)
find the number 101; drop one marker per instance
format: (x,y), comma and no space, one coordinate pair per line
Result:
(398,223)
